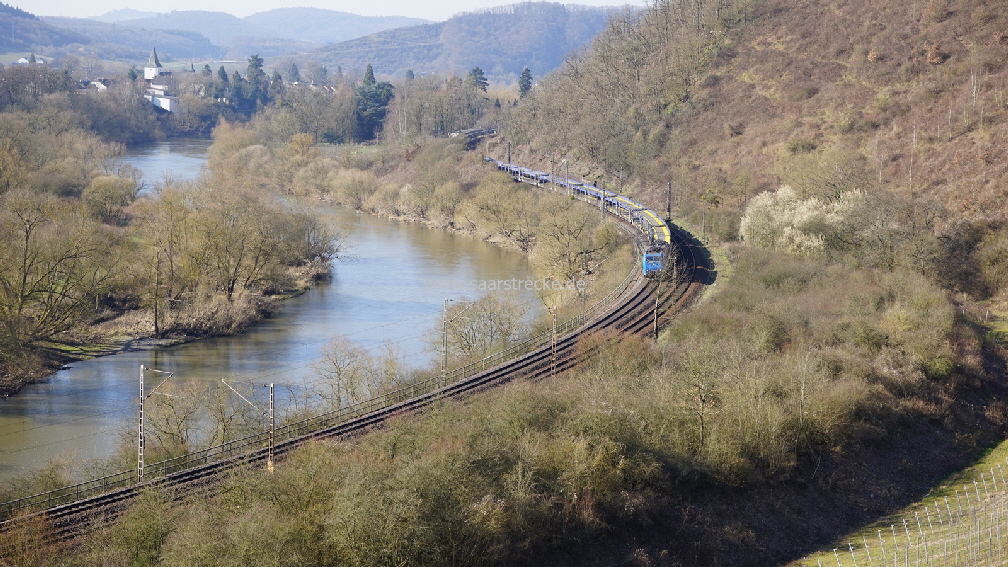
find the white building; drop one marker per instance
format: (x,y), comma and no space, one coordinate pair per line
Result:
(28,61)
(157,91)
(153,69)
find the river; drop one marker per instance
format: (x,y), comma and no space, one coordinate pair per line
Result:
(179,158)
(389,292)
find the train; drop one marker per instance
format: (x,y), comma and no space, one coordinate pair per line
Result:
(656,254)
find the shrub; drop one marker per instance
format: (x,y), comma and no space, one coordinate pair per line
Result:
(311,180)
(731,130)
(800,146)
(935,11)
(992,260)
(805,93)
(353,187)
(934,55)
(782,220)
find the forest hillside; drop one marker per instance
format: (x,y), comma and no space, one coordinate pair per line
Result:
(903,96)
(23,30)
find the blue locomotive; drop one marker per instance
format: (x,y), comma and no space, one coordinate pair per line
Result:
(653,260)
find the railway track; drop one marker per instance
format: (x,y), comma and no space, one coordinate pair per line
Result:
(634,311)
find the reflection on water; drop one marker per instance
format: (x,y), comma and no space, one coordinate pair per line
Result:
(180,158)
(390,292)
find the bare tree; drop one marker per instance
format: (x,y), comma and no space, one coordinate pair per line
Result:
(478,329)
(173,415)
(54,262)
(346,372)
(699,373)
(229,417)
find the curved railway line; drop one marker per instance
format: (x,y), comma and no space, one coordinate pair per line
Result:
(633,307)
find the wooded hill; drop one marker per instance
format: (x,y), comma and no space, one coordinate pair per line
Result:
(324,26)
(22,31)
(823,96)
(500,40)
(119,42)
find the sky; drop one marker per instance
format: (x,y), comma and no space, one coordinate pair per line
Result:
(437,10)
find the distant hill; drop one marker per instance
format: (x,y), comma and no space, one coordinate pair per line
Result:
(202,33)
(241,47)
(20,30)
(324,26)
(305,25)
(390,52)
(126,41)
(499,40)
(219,27)
(122,15)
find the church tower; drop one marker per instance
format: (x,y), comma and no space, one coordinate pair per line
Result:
(153,68)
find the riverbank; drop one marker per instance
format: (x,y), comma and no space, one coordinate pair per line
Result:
(133,330)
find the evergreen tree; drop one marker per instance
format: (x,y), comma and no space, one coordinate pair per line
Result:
(478,79)
(254,73)
(524,82)
(372,104)
(239,93)
(207,71)
(293,73)
(31,59)
(222,74)
(258,82)
(409,75)
(133,74)
(276,86)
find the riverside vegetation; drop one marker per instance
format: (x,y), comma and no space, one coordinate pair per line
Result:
(839,373)
(84,261)
(85,265)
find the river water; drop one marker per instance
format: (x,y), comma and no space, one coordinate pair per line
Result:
(389,293)
(179,158)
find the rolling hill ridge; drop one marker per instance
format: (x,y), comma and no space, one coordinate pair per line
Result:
(500,40)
